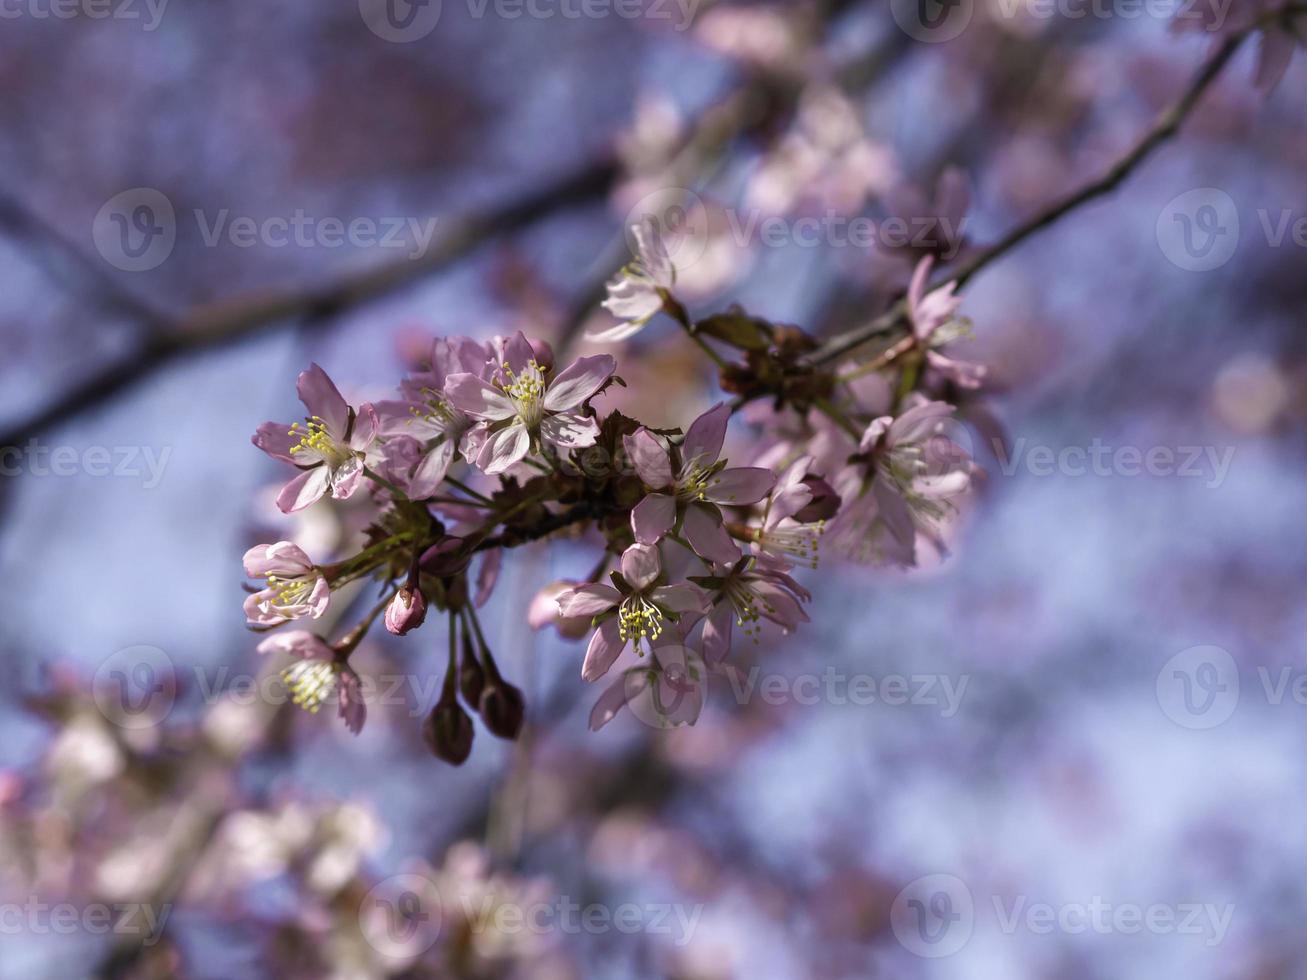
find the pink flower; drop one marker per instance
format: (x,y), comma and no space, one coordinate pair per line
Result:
(901,487)
(696,481)
(635,612)
(638,292)
(316,674)
(749,593)
(667,692)
(935,323)
(330,446)
(780,538)
(295,586)
(427,417)
(523,408)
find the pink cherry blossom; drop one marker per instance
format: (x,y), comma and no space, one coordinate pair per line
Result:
(295,586)
(633,613)
(638,292)
(902,486)
(523,408)
(331,445)
(318,673)
(935,323)
(688,484)
(427,417)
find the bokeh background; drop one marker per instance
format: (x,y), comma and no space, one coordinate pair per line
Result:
(1125,646)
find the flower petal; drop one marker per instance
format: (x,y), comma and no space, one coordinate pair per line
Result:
(703,440)
(650,458)
(653,517)
(430,470)
(703,529)
(605,647)
(582,379)
(741,485)
(321,397)
(275,439)
(683,598)
(284,558)
(569,430)
(717,632)
(588,600)
(306,488)
(641,565)
(504,448)
(478,398)
(616,695)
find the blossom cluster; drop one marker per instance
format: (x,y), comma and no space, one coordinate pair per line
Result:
(492,445)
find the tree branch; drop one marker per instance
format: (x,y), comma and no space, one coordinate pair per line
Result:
(231,322)
(1166,126)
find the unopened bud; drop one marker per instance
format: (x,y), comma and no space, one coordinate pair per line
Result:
(825,502)
(471,677)
(448,732)
(406,611)
(502,708)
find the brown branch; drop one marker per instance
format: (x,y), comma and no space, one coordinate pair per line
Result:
(232,322)
(1166,126)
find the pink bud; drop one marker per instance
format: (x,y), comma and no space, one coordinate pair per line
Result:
(406,611)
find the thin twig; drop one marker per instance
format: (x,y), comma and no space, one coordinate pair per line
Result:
(1166,126)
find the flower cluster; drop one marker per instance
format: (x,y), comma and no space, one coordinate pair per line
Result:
(491,446)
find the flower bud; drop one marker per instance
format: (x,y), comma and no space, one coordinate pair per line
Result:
(502,708)
(406,611)
(825,502)
(448,731)
(471,677)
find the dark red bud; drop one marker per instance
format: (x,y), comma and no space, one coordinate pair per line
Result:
(503,708)
(448,732)
(825,502)
(471,677)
